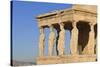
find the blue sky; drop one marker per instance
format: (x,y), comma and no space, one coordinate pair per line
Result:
(26,31)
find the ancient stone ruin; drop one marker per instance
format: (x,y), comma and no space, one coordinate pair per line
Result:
(81,21)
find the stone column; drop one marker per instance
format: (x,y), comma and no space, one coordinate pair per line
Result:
(89,49)
(61,40)
(41,42)
(51,40)
(74,40)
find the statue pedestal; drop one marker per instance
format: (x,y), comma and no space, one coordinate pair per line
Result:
(66,59)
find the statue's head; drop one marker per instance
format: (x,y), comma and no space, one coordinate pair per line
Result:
(41,30)
(61,26)
(51,27)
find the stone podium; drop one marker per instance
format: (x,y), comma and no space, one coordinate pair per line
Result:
(81,21)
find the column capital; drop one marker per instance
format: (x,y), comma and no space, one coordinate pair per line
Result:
(75,20)
(61,24)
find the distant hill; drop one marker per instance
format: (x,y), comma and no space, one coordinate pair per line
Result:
(22,63)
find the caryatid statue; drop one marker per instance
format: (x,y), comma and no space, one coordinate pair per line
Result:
(41,42)
(51,40)
(74,39)
(89,49)
(61,40)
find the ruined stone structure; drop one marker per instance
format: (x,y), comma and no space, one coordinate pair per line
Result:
(81,21)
